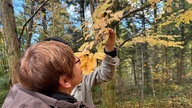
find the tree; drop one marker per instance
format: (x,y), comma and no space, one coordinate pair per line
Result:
(30,27)
(11,40)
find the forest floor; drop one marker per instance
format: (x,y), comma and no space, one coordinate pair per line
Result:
(167,96)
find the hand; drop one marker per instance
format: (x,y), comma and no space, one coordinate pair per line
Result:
(110,44)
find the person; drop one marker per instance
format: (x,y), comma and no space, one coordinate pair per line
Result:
(48,72)
(103,73)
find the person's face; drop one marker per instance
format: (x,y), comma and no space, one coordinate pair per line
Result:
(77,73)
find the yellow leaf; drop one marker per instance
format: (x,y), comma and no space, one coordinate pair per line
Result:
(90,56)
(102,23)
(87,36)
(100,47)
(189,1)
(99,55)
(105,35)
(91,66)
(95,26)
(91,44)
(88,63)
(88,47)
(83,46)
(80,54)
(119,14)
(100,15)
(89,60)
(108,11)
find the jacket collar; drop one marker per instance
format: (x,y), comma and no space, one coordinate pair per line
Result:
(49,100)
(64,96)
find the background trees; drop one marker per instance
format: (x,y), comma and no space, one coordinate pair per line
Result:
(154,43)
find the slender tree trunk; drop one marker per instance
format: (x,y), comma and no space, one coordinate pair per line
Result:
(145,52)
(82,11)
(53,20)
(108,94)
(11,39)
(155,59)
(108,91)
(82,16)
(134,70)
(164,70)
(191,56)
(146,66)
(181,63)
(142,81)
(92,8)
(30,29)
(155,56)
(182,51)
(44,21)
(136,75)
(119,74)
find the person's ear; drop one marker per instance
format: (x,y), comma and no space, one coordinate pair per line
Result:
(64,82)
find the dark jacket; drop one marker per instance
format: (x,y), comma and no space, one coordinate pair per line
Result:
(18,97)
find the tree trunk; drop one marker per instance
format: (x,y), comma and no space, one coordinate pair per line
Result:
(30,25)
(44,20)
(108,90)
(146,67)
(191,56)
(11,39)
(108,94)
(92,8)
(142,81)
(82,15)
(145,53)
(134,69)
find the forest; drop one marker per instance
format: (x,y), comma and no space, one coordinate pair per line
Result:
(154,42)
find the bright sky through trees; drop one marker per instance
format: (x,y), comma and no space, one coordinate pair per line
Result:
(17,4)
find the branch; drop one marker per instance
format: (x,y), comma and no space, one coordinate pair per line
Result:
(128,39)
(31,18)
(126,14)
(134,11)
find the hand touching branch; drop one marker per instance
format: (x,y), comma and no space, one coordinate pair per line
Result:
(110,43)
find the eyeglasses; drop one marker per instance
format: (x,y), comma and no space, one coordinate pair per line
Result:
(78,60)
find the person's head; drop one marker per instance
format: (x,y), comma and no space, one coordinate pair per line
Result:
(49,66)
(58,39)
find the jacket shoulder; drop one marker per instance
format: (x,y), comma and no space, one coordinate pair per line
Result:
(17,98)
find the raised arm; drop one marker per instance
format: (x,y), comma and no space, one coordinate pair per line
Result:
(106,70)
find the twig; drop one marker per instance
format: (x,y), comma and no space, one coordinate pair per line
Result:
(31,18)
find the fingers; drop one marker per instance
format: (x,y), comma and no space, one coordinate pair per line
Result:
(112,35)
(109,46)
(110,32)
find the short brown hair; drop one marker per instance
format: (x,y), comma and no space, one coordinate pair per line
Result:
(43,64)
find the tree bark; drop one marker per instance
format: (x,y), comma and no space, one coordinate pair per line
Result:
(30,25)
(91,2)
(108,94)
(11,39)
